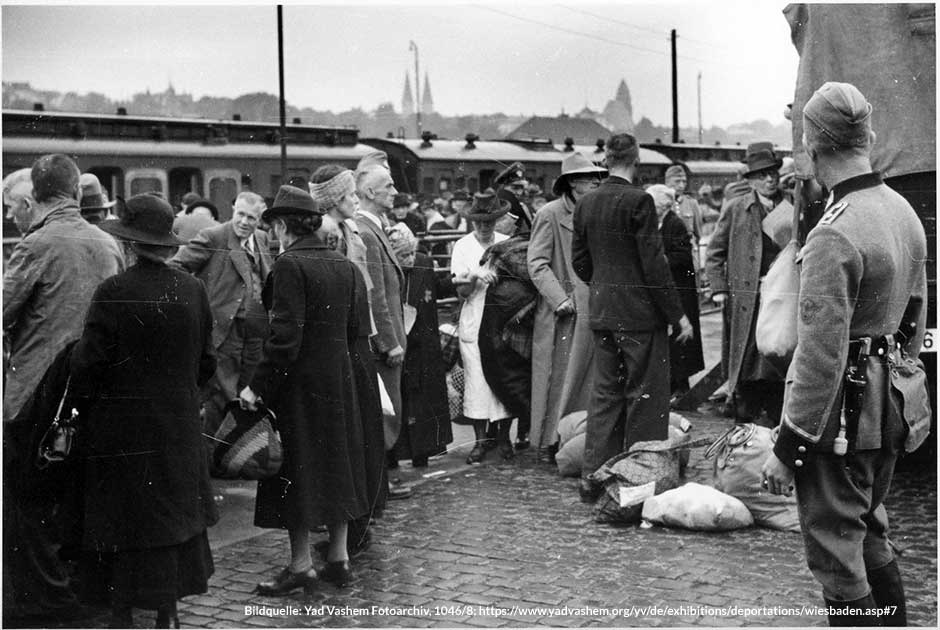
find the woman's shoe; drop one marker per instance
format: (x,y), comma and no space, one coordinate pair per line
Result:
(165,620)
(476,455)
(419,462)
(506,450)
(287,581)
(336,573)
(522,442)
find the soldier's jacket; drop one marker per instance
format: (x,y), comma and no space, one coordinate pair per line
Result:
(861,266)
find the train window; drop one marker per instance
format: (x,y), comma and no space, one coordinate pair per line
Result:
(444,184)
(427,185)
(275,183)
(184,179)
(223,187)
(486,176)
(246,181)
(472,185)
(144,180)
(111,178)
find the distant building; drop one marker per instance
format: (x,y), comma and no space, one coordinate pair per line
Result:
(556,129)
(407,100)
(427,102)
(618,113)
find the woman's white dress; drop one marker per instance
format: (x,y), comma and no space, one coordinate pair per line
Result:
(479,402)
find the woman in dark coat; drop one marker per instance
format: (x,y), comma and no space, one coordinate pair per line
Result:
(685,359)
(426,426)
(145,352)
(306,376)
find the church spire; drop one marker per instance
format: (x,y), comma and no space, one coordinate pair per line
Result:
(407,100)
(623,95)
(427,101)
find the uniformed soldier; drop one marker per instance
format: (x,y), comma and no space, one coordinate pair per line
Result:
(862,287)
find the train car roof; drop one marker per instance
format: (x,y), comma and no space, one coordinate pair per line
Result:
(713,167)
(647,156)
(167,119)
(505,151)
(43,146)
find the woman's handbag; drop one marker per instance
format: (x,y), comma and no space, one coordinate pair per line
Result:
(777,317)
(248,445)
(450,345)
(56,443)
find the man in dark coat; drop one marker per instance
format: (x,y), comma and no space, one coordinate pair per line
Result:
(862,307)
(616,248)
(233,260)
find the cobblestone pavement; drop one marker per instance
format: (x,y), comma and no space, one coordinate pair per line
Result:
(512,536)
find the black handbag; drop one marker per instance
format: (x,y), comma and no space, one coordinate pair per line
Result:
(56,443)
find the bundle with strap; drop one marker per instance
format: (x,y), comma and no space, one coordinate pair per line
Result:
(775,332)
(248,445)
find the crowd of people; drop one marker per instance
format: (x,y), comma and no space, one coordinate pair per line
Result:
(151,321)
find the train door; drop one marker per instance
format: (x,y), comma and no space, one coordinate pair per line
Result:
(111,178)
(184,179)
(222,186)
(143,180)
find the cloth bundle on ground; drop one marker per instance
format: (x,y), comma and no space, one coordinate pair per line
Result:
(647,469)
(572,431)
(694,506)
(739,455)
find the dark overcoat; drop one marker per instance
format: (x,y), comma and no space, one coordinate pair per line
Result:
(426,426)
(306,377)
(685,359)
(144,353)
(616,247)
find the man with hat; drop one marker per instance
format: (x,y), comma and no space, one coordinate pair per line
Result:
(401,213)
(617,249)
(752,229)
(856,396)
(94,204)
(386,297)
(47,289)
(233,260)
(562,344)
(688,209)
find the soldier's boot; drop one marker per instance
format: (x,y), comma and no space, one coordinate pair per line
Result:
(852,614)
(888,591)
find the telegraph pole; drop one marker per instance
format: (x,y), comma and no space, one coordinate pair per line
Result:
(280,71)
(675,91)
(414,47)
(701,135)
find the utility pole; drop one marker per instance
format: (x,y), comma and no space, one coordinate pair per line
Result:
(414,47)
(701,135)
(675,92)
(280,71)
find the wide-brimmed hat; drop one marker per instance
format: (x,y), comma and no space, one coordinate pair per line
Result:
(146,219)
(93,195)
(487,206)
(401,199)
(576,164)
(760,156)
(291,200)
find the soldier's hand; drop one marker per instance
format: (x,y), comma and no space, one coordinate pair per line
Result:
(566,308)
(719,298)
(777,476)
(395,357)
(685,330)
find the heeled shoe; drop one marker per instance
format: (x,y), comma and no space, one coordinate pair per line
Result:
(165,621)
(336,573)
(506,450)
(476,455)
(287,581)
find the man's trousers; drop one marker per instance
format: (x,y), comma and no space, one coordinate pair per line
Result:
(630,401)
(236,360)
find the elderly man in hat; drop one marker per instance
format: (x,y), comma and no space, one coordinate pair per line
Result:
(94,205)
(752,229)
(856,396)
(616,248)
(697,219)
(562,345)
(233,259)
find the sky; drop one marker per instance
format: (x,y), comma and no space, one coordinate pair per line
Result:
(518,58)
